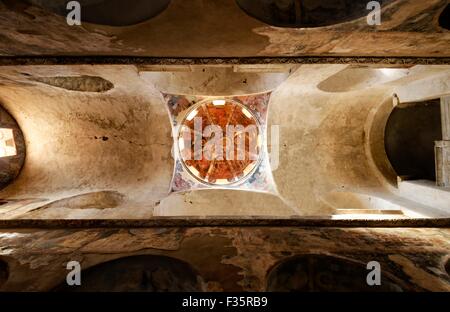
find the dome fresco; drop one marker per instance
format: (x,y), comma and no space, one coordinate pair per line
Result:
(239,142)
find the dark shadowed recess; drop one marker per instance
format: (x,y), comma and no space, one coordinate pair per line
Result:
(310,273)
(4,272)
(138,274)
(109,12)
(306,13)
(444,18)
(409,139)
(447,267)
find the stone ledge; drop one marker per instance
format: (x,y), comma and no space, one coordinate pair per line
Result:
(223,221)
(137,60)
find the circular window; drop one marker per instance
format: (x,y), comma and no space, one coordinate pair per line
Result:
(219,142)
(12,148)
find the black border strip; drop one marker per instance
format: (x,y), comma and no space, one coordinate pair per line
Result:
(144,60)
(276,301)
(228,222)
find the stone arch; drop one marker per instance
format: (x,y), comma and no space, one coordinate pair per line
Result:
(375,143)
(110,12)
(444,18)
(10,163)
(144,273)
(313,272)
(305,13)
(410,133)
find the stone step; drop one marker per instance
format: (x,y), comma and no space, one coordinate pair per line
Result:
(368,216)
(426,193)
(369,211)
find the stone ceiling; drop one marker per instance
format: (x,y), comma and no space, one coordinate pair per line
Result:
(99,141)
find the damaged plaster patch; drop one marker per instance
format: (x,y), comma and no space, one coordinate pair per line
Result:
(96,200)
(239,258)
(77,83)
(447,267)
(418,275)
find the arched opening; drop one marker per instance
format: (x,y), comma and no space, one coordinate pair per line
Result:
(310,273)
(305,13)
(410,134)
(444,18)
(109,12)
(12,148)
(138,274)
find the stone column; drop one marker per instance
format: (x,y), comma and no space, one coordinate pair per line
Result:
(445,117)
(442,148)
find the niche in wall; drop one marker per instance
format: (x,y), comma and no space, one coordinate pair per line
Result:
(305,13)
(410,133)
(4,272)
(444,18)
(138,274)
(109,12)
(309,273)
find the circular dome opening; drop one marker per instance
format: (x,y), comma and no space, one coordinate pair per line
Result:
(219,142)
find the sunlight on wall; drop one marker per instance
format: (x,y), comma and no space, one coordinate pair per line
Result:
(7,144)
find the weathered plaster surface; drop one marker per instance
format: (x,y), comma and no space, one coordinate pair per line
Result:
(220,28)
(227,258)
